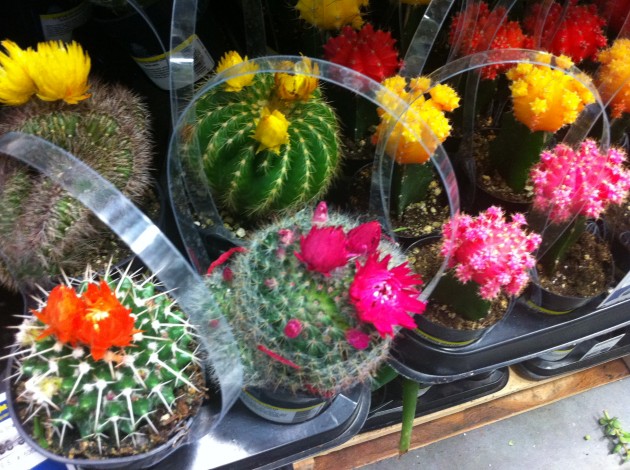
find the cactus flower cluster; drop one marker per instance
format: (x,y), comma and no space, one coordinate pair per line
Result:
(106,367)
(478,29)
(368,51)
(53,71)
(613,76)
(572,30)
(490,251)
(425,114)
(314,300)
(544,98)
(328,15)
(569,182)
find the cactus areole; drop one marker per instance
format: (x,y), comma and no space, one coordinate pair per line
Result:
(106,368)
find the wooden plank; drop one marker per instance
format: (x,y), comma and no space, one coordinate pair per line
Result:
(518,396)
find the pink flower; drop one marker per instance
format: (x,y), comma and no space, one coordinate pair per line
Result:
(320,216)
(293,328)
(357,338)
(490,251)
(364,239)
(384,297)
(568,183)
(286,236)
(323,249)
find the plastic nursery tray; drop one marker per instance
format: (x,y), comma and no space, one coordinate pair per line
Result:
(586,354)
(243,440)
(386,406)
(522,335)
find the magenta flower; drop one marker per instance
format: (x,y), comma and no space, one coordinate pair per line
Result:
(568,183)
(293,328)
(323,249)
(490,251)
(386,297)
(364,239)
(357,338)
(286,236)
(320,215)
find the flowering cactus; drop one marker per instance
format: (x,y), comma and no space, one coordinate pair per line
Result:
(106,368)
(583,182)
(325,14)
(367,51)
(613,77)
(476,28)
(314,301)
(572,30)
(409,132)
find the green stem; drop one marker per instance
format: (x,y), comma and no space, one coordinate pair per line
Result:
(410,184)
(557,251)
(38,433)
(409,399)
(384,375)
(464,299)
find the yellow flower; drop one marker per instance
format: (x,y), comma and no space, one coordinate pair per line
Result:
(295,86)
(327,14)
(16,85)
(614,74)
(410,132)
(231,59)
(271,131)
(60,71)
(546,99)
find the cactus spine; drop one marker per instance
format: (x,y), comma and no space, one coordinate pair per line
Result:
(132,399)
(39,222)
(248,181)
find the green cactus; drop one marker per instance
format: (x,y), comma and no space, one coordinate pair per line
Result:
(129,401)
(42,228)
(247,182)
(292,323)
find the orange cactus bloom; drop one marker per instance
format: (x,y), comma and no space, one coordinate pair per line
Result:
(106,322)
(62,314)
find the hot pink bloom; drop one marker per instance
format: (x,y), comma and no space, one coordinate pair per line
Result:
(293,328)
(323,249)
(364,239)
(583,182)
(357,338)
(320,215)
(385,297)
(490,251)
(286,236)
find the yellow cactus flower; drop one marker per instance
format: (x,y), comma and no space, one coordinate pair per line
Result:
(60,71)
(230,59)
(271,131)
(16,85)
(326,14)
(296,86)
(546,99)
(410,131)
(614,75)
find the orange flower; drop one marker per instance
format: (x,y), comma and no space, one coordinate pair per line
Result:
(106,322)
(63,314)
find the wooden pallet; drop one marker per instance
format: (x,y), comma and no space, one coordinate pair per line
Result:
(518,396)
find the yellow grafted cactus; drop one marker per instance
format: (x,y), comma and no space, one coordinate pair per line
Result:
(16,85)
(297,86)
(425,115)
(545,99)
(614,76)
(327,14)
(230,59)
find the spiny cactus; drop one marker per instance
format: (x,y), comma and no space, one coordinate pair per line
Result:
(41,226)
(320,319)
(268,142)
(106,367)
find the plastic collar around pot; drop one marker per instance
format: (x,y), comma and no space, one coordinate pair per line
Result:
(150,245)
(189,187)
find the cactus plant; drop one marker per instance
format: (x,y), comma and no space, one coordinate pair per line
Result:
(268,142)
(314,303)
(42,228)
(106,368)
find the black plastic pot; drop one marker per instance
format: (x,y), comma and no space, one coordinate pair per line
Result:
(282,407)
(544,301)
(448,337)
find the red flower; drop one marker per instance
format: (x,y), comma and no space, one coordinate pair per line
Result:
(63,313)
(367,51)
(224,257)
(364,239)
(293,328)
(357,338)
(384,297)
(106,322)
(323,249)
(277,357)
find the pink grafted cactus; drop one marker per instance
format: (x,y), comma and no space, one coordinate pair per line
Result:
(568,183)
(490,251)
